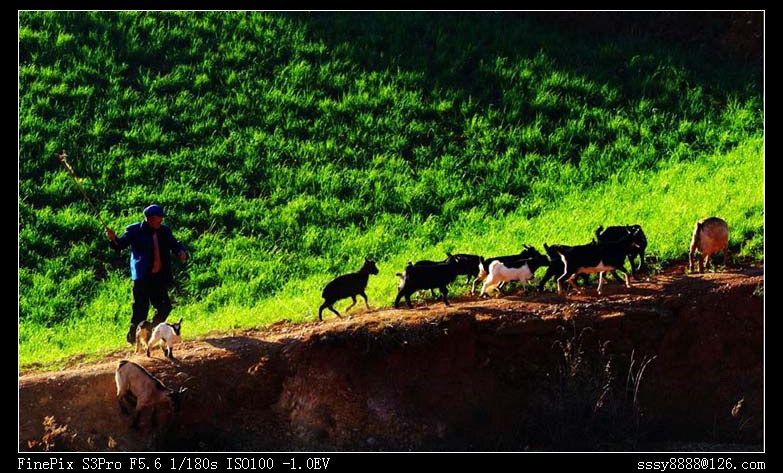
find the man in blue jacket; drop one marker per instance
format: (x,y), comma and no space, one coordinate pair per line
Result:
(150,265)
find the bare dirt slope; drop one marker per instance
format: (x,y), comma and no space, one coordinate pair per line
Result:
(522,371)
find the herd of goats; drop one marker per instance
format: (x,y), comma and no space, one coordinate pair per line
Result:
(140,390)
(607,252)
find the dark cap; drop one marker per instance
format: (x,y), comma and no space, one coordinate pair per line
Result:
(154,210)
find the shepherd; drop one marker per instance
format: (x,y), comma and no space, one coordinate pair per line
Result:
(150,264)
(151,243)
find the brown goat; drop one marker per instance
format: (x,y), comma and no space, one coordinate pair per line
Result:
(710,236)
(143,334)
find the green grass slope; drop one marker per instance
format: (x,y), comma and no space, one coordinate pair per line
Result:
(286,147)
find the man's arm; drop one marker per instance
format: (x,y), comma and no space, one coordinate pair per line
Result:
(118,243)
(177,247)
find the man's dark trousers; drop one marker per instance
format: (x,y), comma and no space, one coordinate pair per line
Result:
(152,289)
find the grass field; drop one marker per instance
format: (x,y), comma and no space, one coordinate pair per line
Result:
(286,147)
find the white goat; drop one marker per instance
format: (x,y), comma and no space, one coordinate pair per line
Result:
(166,335)
(499,272)
(133,381)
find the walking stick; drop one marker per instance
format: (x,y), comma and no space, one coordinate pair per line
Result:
(61,157)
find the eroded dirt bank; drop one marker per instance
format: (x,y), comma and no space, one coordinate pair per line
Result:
(676,358)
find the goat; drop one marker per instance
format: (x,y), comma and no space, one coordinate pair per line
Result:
(594,258)
(143,333)
(709,236)
(423,262)
(467,265)
(167,335)
(347,285)
(616,233)
(521,270)
(483,269)
(556,266)
(416,278)
(133,381)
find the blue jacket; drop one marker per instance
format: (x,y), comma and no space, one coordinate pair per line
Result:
(139,237)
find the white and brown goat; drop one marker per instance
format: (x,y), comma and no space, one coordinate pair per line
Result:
(135,382)
(166,335)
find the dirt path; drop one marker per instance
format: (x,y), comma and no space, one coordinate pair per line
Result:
(272,375)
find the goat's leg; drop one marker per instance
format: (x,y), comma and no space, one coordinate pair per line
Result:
(634,268)
(135,423)
(571,281)
(691,252)
(487,284)
(366,302)
(473,286)
(352,304)
(121,402)
(445,291)
(335,312)
(547,276)
(627,281)
(559,285)
(320,311)
(566,276)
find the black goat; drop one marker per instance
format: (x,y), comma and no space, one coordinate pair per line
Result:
(556,266)
(438,275)
(594,258)
(467,265)
(347,285)
(616,233)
